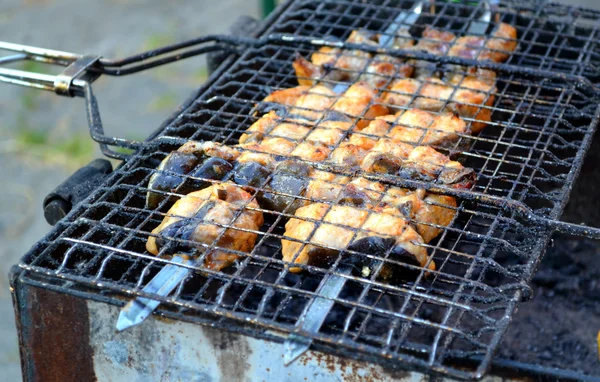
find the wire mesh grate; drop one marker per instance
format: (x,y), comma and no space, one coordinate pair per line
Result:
(529,152)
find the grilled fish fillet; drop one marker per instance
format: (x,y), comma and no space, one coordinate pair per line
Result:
(496,48)
(469,97)
(428,213)
(201,216)
(393,157)
(467,92)
(413,126)
(360,102)
(190,218)
(319,231)
(330,65)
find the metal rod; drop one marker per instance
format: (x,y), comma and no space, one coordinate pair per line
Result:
(28,79)
(35,51)
(13,58)
(136,311)
(386,40)
(315,314)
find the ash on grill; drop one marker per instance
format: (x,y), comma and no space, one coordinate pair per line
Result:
(557,327)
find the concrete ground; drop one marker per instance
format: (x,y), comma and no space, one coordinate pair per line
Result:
(43,137)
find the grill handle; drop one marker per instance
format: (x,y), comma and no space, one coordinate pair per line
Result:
(76,188)
(82,70)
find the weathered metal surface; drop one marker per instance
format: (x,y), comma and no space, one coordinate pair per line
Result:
(66,338)
(54,334)
(164,349)
(167,350)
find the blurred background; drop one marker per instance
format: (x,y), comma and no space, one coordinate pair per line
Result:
(44,138)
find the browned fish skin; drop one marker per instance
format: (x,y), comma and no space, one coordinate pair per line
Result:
(339,226)
(413,126)
(360,102)
(319,231)
(467,92)
(394,206)
(334,64)
(468,97)
(496,48)
(420,162)
(227,212)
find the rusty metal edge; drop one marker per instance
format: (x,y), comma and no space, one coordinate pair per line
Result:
(54,341)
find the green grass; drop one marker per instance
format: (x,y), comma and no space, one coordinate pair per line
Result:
(29,99)
(31,137)
(166,101)
(35,66)
(201,75)
(72,151)
(158,40)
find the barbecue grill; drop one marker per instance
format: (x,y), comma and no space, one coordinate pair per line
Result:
(449,322)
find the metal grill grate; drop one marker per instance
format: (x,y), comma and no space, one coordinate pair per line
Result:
(530,153)
(551,37)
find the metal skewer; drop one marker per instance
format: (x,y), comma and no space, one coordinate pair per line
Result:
(137,310)
(315,314)
(404,19)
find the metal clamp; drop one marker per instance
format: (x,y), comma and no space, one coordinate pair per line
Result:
(64,81)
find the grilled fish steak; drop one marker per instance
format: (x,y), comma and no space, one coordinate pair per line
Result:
(359,102)
(320,231)
(470,97)
(290,185)
(218,216)
(330,65)
(414,126)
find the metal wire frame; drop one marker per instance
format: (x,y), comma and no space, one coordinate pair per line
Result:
(484,258)
(551,37)
(530,153)
(527,153)
(103,246)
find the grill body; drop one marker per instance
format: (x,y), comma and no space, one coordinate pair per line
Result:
(544,119)
(84,346)
(81,344)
